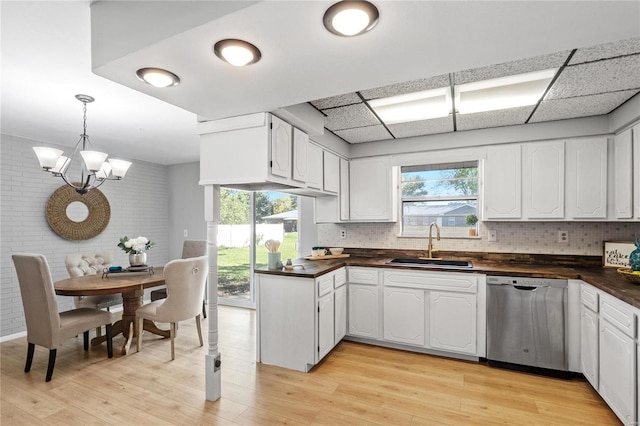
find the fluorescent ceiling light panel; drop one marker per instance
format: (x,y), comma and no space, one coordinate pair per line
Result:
(413,106)
(502,93)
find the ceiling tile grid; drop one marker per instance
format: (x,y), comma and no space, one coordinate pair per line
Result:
(424,127)
(336,101)
(604,51)
(591,78)
(498,118)
(364,134)
(581,106)
(348,117)
(407,87)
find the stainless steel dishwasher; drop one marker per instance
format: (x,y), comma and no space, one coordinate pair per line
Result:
(526,323)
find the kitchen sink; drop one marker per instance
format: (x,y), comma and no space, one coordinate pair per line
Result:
(431,263)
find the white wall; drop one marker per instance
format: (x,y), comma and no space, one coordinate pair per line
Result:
(186,207)
(139,206)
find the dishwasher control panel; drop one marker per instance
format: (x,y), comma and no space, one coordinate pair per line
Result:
(526,281)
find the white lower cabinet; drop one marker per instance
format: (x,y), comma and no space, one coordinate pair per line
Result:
(363,311)
(326,333)
(340,313)
(452,321)
(404,315)
(589,345)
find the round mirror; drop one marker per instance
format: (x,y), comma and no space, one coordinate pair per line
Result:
(77,211)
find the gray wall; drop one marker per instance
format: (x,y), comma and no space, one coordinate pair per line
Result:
(186,207)
(139,206)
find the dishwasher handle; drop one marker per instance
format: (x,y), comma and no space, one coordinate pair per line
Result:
(529,288)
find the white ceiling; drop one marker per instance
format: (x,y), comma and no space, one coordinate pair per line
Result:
(46,59)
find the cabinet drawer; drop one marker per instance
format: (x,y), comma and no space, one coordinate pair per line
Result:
(589,297)
(363,276)
(340,278)
(325,284)
(618,314)
(449,281)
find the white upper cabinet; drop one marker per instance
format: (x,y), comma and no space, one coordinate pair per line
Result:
(623,175)
(280,147)
(586,178)
(335,209)
(331,173)
(543,180)
(372,190)
(636,170)
(343,198)
(502,188)
(314,158)
(300,162)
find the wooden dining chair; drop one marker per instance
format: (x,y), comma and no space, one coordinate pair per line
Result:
(190,248)
(45,325)
(185,279)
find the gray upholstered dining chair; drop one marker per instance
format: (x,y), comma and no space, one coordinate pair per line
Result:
(45,325)
(190,248)
(185,279)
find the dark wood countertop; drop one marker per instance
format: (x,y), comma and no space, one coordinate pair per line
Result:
(605,279)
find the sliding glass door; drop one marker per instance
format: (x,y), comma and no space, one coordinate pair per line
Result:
(247,221)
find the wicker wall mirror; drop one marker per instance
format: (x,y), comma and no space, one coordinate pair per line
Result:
(78,217)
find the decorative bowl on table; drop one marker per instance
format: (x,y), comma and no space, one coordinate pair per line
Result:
(630,274)
(336,250)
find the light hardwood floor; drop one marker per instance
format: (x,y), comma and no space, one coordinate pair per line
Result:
(356,384)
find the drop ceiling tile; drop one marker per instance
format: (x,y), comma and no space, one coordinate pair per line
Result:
(364,134)
(335,101)
(407,87)
(522,66)
(348,117)
(423,127)
(610,75)
(499,118)
(581,106)
(608,50)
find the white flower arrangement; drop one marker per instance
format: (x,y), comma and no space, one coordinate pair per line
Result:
(135,245)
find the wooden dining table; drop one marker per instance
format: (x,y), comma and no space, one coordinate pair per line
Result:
(131,285)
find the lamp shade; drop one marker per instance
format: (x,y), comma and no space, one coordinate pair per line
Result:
(103,173)
(61,165)
(47,157)
(119,167)
(93,160)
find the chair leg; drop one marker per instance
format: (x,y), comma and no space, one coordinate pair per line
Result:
(199,329)
(98,331)
(204,310)
(109,341)
(139,322)
(172,334)
(52,363)
(30,348)
(85,338)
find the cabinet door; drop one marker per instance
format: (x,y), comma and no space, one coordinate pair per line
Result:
(325,326)
(452,321)
(280,148)
(589,345)
(331,173)
(344,187)
(587,178)
(403,315)
(300,145)
(618,371)
(503,185)
(335,209)
(543,180)
(371,190)
(340,310)
(636,170)
(314,156)
(363,311)
(623,175)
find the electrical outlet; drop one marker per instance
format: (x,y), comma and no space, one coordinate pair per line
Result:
(493,236)
(343,233)
(186,232)
(563,236)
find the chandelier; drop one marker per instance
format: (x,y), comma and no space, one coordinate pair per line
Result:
(95,169)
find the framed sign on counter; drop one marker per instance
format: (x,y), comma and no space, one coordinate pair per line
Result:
(616,254)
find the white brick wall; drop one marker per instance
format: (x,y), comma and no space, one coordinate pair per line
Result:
(139,206)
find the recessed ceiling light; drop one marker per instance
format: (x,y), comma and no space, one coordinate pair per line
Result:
(502,93)
(413,106)
(237,52)
(350,17)
(158,77)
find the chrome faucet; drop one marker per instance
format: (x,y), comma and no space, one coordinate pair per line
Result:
(431,225)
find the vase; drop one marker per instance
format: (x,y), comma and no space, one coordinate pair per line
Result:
(634,257)
(138,259)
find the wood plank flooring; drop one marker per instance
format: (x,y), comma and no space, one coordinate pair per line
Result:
(355,385)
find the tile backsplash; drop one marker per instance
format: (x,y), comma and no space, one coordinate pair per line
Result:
(585,238)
